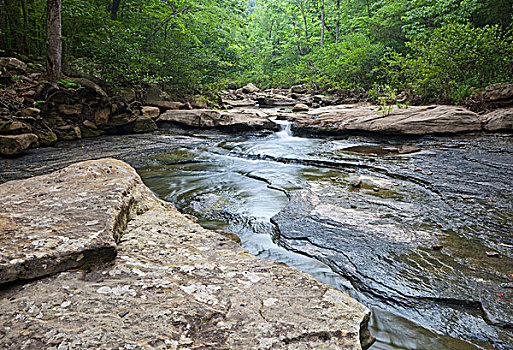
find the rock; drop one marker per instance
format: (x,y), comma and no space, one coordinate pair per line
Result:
(492,254)
(14,127)
(298,89)
(140,125)
(87,84)
(154,94)
(195,287)
(239,103)
(30,112)
(120,119)
(89,124)
(11,145)
(46,137)
(87,131)
(300,107)
(416,120)
(275,101)
(68,132)
(500,95)
(75,109)
(165,105)
(199,102)
(125,94)
(150,112)
(499,120)
(10,66)
(101,116)
(250,88)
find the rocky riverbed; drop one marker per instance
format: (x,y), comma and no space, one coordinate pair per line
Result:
(107,259)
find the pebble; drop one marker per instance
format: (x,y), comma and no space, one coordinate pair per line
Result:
(417,169)
(492,254)
(123,314)
(375,189)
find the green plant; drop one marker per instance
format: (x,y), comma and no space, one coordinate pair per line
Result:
(38,104)
(69,84)
(385,97)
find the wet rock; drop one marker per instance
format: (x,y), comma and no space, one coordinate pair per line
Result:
(300,107)
(150,112)
(236,120)
(499,120)
(11,145)
(195,287)
(412,120)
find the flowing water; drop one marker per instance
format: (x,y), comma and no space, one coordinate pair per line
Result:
(441,204)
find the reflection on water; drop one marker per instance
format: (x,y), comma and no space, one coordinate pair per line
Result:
(237,186)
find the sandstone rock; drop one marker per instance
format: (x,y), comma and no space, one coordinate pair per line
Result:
(90,124)
(16,144)
(412,120)
(235,120)
(165,105)
(275,100)
(14,127)
(239,103)
(250,88)
(195,287)
(300,107)
(140,125)
(10,66)
(101,117)
(68,132)
(46,137)
(75,109)
(30,112)
(88,84)
(150,112)
(121,119)
(498,120)
(499,94)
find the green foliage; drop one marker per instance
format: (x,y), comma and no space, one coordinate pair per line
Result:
(455,60)
(69,84)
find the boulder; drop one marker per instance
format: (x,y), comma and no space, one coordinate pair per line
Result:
(196,288)
(10,66)
(87,84)
(30,112)
(89,124)
(498,120)
(234,120)
(101,116)
(150,112)
(46,137)
(14,127)
(68,132)
(140,125)
(416,120)
(239,103)
(298,89)
(500,95)
(300,107)
(250,88)
(275,101)
(75,109)
(165,105)
(11,145)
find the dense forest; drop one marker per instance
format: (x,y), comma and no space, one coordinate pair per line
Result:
(442,50)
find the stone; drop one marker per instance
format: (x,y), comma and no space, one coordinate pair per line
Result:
(300,107)
(101,116)
(30,112)
(89,124)
(500,94)
(165,105)
(239,103)
(140,125)
(90,85)
(68,132)
(75,109)
(46,137)
(250,88)
(498,120)
(275,100)
(10,66)
(298,89)
(414,120)
(11,145)
(199,102)
(235,120)
(196,288)
(14,127)
(150,112)
(116,120)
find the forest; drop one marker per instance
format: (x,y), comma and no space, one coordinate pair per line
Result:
(426,50)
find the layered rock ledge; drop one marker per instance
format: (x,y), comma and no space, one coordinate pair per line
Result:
(127,270)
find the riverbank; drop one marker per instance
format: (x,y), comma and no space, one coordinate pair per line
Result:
(107,256)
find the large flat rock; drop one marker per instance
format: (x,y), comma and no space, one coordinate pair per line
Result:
(233,120)
(172,285)
(415,120)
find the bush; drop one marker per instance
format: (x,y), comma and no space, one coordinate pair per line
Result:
(454,61)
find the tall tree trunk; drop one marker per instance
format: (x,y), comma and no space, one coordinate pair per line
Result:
(2,32)
(306,28)
(322,24)
(114,9)
(53,40)
(297,37)
(337,33)
(25,47)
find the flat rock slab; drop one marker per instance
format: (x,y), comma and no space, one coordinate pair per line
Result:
(411,121)
(233,120)
(173,284)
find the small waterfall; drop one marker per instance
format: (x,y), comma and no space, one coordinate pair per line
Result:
(285,128)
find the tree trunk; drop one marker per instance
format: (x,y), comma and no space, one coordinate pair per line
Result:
(322,23)
(306,28)
(114,9)
(337,33)
(297,37)
(53,40)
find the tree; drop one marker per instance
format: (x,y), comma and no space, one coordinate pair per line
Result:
(53,40)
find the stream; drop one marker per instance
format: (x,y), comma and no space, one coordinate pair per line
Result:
(420,230)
